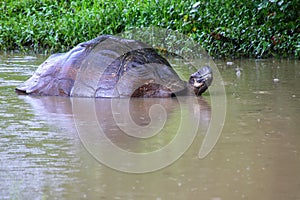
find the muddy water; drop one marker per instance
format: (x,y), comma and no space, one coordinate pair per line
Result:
(42,155)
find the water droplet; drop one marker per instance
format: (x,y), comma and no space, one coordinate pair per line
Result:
(238,72)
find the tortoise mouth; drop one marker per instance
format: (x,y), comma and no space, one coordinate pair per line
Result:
(198,84)
(201,80)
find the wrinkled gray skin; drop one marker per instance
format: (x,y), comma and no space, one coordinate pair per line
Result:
(108,66)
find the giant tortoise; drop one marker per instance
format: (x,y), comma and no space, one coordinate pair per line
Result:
(110,66)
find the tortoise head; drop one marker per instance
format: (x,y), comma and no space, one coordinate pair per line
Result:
(201,80)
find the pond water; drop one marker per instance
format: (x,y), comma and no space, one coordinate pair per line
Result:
(48,152)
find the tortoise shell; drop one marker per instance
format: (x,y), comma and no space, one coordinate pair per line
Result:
(106,66)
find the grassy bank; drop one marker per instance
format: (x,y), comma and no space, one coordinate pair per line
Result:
(225,28)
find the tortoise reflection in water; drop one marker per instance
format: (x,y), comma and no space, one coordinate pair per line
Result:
(109,66)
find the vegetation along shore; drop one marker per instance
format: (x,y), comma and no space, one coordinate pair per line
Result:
(225,28)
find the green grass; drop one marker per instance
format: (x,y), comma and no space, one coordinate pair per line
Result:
(225,28)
